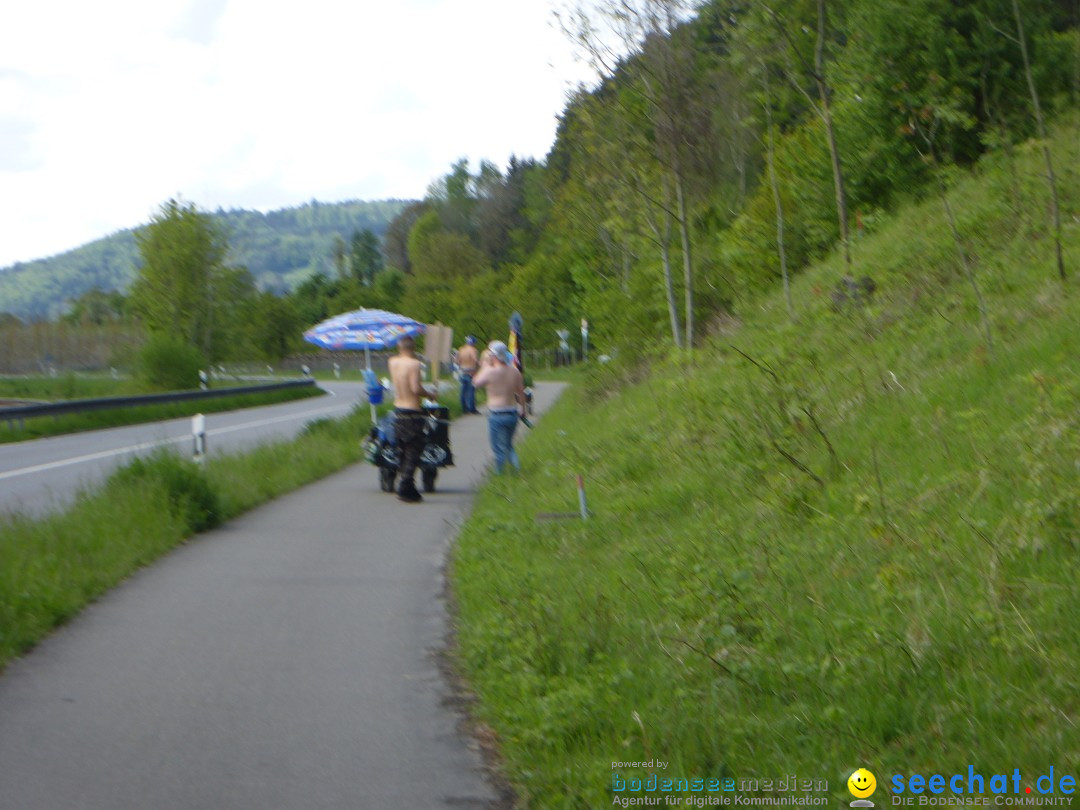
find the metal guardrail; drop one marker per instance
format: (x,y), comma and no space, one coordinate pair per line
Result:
(20,412)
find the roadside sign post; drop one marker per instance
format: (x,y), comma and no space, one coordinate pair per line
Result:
(438,341)
(514,343)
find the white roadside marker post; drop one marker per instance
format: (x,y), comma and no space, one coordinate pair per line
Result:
(198,430)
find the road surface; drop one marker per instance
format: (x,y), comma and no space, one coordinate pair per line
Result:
(44,474)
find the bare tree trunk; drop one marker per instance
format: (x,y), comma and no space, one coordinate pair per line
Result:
(738,149)
(1076,63)
(834,153)
(770,156)
(688,265)
(965,261)
(636,24)
(1050,177)
(663,239)
(669,140)
(1076,55)
(931,153)
(824,109)
(992,114)
(1014,174)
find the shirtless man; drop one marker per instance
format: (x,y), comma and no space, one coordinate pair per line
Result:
(506,402)
(408,415)
(468,362)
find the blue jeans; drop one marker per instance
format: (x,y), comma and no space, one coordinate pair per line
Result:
(468,394)
(501,427)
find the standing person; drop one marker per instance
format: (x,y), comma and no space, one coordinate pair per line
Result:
(408,415)
(468,363)
(506,402)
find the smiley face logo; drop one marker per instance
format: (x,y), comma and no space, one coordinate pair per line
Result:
(862,784)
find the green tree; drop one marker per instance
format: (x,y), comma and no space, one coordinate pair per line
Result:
(366,259)
(808,70)
(388,289)
(183,254)
(660,105)
(98,307)
(504,229)
(275,326)
(454,196)
(396,241)
(444,262)
(233,294)
(312,298)
(338,256)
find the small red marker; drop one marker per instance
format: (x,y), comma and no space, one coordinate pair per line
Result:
(1028,790)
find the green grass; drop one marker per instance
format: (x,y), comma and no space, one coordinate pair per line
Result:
(848,540)
(67,386)
(570,374)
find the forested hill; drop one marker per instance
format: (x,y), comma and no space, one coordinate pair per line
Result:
(280,248)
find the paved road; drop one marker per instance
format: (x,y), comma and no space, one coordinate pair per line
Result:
(44,474)
(286,660)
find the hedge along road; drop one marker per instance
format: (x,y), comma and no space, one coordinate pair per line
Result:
(288,659)
(43,474)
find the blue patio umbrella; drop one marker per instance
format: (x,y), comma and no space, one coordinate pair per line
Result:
(367,330)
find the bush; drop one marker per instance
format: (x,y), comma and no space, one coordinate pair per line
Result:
(167,363)
(191,497)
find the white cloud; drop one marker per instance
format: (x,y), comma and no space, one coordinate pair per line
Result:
(107,109)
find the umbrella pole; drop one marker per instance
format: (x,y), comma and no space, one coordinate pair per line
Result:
(367,363)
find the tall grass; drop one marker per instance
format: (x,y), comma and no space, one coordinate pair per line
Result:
(848,540)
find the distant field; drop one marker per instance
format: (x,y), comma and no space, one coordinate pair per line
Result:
(66,386)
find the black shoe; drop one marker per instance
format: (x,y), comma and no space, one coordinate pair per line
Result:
(408,492)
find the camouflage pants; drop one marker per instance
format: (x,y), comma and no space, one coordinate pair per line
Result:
(409,432)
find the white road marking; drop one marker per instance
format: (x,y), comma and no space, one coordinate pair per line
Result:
(132,448)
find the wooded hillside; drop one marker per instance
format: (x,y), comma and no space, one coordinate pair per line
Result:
(733,145)
(279,248)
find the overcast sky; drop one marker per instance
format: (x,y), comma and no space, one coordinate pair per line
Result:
(108,108)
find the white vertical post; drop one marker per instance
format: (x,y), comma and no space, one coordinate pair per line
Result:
(198,431)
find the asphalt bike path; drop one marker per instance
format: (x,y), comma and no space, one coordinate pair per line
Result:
(289,659)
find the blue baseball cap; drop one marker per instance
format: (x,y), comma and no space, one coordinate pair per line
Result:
(500,350)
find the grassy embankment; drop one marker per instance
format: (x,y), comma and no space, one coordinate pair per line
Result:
(848,540)
(70,387)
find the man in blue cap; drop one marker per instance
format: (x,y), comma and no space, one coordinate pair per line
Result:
(468,362)
(506,402)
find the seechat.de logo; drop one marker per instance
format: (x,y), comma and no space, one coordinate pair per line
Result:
(976,789)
